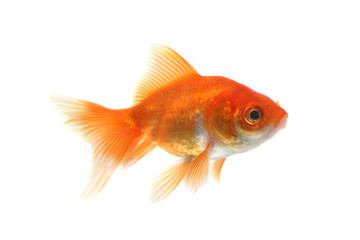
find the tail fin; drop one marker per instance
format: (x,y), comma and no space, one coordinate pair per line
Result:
(113,136)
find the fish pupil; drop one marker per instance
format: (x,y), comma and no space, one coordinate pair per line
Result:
(255,115)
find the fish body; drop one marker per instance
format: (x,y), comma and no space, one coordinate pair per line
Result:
(201,119)
(175,115)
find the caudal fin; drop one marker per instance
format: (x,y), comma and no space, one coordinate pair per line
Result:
(113,135)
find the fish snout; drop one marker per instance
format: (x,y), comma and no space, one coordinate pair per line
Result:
(281,123)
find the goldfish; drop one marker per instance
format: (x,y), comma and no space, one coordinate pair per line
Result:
(203,120)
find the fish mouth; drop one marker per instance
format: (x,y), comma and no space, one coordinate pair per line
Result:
(281,123)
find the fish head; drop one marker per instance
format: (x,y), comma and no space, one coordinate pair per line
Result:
(240,119)
(257,118)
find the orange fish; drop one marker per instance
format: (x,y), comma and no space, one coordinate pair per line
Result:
(201,119)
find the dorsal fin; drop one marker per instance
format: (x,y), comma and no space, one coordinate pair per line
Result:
(165,67)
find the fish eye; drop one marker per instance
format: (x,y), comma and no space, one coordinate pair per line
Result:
(253,115)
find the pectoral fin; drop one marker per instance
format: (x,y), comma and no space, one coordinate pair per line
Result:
(216,169)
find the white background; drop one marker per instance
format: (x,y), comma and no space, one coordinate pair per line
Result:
(302,184)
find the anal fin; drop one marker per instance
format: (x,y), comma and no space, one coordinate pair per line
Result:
(166,183)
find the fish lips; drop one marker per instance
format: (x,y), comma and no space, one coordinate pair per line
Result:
(281,123)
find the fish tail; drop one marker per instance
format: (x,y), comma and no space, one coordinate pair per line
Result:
(114,137)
